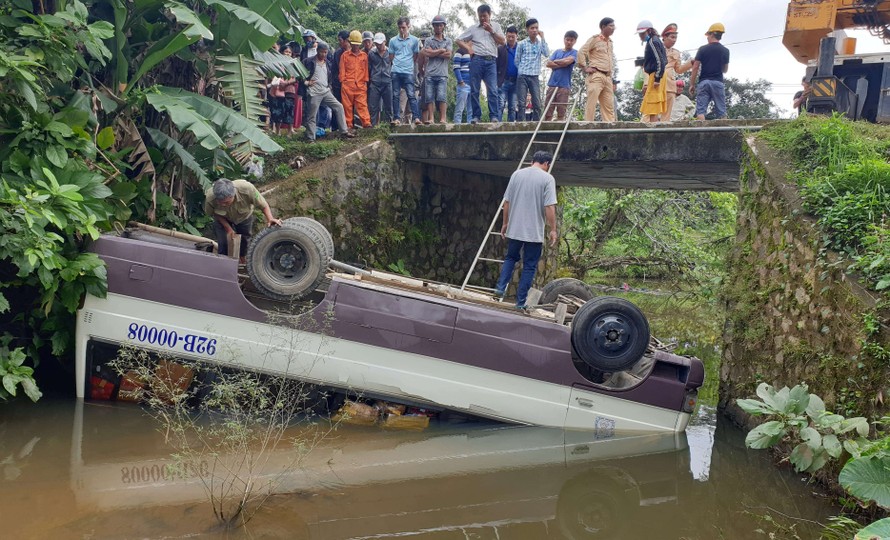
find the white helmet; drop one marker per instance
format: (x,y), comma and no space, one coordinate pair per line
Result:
(644,25)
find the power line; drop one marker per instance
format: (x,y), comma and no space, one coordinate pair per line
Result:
(725,44)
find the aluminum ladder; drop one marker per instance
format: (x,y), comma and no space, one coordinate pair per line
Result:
(525,161)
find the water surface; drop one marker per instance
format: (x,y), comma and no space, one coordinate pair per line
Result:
(99,470)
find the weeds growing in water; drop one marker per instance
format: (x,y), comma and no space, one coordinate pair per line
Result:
(252,429)
(800,418)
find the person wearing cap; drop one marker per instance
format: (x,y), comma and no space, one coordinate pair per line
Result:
(403,51)
(654,65)
(482,41)
(683,108)
(528,65)
(561,63)
(311,40)
(437,50)
(711,62)
(380,91)
(675,66)
(596,59)
(367,41)
(318,92)
(231,204)
(354,80)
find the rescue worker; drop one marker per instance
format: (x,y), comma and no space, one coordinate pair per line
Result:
(354,82)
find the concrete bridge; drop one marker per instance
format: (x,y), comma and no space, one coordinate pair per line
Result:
(702,156)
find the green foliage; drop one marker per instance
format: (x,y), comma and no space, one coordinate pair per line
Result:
(682,236)
(58,185)
(844,174)
(868,478)
(876,531)
(13,372)
(398,267)
(801,416)
(234,419)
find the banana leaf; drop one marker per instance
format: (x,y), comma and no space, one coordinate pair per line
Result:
(172,101)
(228,120)
(242,82)
(165,142)
(276,64)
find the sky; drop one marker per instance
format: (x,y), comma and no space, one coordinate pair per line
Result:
(745,21)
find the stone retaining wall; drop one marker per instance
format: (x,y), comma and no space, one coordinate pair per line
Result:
(793,314)
(426,219)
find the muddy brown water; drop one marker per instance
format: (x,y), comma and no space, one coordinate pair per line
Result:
(92,470)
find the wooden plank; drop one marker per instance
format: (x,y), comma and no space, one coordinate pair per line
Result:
(534,296)
(560,313)
(235,246)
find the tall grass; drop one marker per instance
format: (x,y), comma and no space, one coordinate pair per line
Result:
(843,170)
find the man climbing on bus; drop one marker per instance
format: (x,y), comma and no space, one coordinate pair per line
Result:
(530,199)
(231,203)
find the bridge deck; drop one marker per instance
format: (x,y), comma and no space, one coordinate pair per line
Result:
(676,156)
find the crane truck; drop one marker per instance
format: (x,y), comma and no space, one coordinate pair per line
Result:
(857,85)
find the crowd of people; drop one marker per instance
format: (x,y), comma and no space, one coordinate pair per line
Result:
(370,79)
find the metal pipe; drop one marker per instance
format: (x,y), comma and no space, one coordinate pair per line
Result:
(348,268)
(605,131)
(174,234)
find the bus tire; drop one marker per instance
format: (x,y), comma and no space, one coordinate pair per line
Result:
(565,286)
(328,250)
(610,334)
(286,263)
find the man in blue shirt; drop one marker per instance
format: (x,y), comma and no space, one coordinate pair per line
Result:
(528,64)
(403,51)
(560,84)
(508,84)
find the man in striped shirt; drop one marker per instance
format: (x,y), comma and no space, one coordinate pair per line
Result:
(462,76)
(528,63)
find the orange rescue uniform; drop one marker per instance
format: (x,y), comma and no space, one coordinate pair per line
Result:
(354,86)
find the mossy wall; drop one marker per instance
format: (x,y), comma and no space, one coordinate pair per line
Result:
(793,314)
(385,213)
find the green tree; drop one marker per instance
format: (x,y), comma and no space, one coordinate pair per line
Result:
(97,96)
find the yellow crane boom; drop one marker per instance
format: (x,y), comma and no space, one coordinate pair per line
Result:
(808,21)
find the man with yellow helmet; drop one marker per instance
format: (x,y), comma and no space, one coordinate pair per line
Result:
(711,62)
(354,82)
